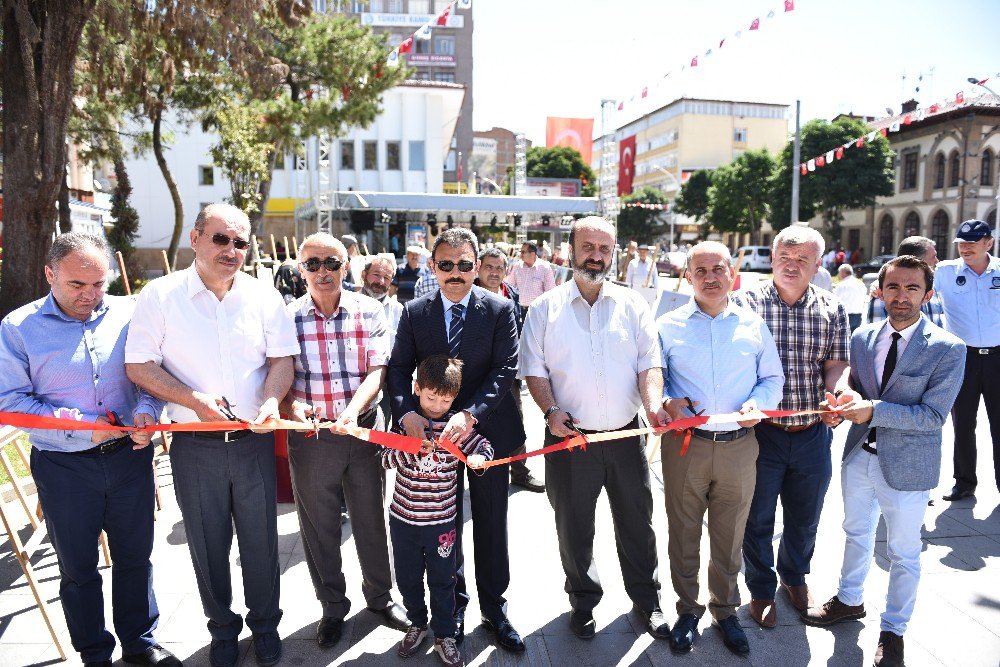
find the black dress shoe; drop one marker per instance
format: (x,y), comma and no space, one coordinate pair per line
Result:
(394,616)
(154,655)
(328,631)
(267,648)
(101,663)
(958,493)
(657,622)
(223,653)
(507,636)
(530,483)
(733,636)
(582,624)
(682,636)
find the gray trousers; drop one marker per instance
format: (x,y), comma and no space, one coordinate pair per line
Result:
(573,482)
(218,485)
(322,470)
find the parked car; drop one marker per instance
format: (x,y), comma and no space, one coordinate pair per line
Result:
(671,263)
(872,265)
(755,258)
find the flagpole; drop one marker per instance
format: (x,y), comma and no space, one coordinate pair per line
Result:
(796,157)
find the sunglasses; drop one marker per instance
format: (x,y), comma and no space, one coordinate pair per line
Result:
(447,265)
(331,263)
(223,240)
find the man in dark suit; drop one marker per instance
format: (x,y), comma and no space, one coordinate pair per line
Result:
(905,375)
(480,328)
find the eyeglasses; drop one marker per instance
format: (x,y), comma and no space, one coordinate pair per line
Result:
(448,266)
(220,239)
(331,263)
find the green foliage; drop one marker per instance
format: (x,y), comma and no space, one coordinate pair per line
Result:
(640,224)
(561,162)
(852,182)
(242,153)
(126,221)
(692,200)
(740,191)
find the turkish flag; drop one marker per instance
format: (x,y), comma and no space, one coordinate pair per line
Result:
(694,61)
(820,161)
(621,105)
(789,5)
(721,42)
(884,132)
(959,97)
(406,45)
(576,133)
(626,165)
(907,119)
(860,142)
(933,109)
(645,91)
(442,19)
(755,25)
(840,152)
(803,168)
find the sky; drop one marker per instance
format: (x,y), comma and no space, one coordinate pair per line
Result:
(538,58)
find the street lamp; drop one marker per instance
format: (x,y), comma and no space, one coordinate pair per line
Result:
(981,83)
(673,216)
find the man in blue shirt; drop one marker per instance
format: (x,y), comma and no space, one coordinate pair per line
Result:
(63,356)
(720,357)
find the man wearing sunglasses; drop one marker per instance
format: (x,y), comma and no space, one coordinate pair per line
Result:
(216,343)
(480,328)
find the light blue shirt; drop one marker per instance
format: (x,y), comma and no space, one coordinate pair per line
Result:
(54,365)
(721,361)
(447,309)
(971,302)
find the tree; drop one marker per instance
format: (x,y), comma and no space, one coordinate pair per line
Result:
(851,182)
(561,162)
(692,200)
(242,153)
(739,194)
(637,223)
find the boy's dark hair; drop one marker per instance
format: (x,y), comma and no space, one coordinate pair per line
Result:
(441,374)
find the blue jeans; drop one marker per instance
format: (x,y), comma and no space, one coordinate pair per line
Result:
(866,493)
(430,548)
(81,495)
(795,467)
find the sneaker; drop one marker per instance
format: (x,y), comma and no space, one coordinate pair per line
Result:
(832,611)
(411,641)
(448,650)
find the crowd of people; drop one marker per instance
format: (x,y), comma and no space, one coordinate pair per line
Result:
(209,343)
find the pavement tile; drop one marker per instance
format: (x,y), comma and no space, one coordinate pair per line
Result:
(603,650)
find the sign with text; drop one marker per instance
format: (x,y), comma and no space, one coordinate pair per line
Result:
(410,20)
(430,59)
(553,187)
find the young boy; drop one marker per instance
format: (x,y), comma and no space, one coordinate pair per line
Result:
(422,513)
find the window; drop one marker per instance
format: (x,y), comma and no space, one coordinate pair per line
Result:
(206,176)
(421,45)
(939,230)
(375,6)
(392,156)
(911,227)
(416,156)
(420,7)
(439,5)
(939,171)
(371,155)
(422,75)
(319,6)
(347,155)
(740,135)
(986,173)
(885,235)
(447,77)
(953,167)
(444,46)
(357,6)
(910,170)
(449,163)
(395,6)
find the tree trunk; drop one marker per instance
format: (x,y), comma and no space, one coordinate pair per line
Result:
(65,215)
(40,42)
(264,192)
(175,195)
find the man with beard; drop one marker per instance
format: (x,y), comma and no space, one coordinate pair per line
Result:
(591,359)
(480,328)
(376,280)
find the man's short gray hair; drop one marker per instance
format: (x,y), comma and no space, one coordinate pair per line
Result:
(845,269)
(225,211)
(799,235)
(379,259)
(456,237)
(321,238)
(70,242)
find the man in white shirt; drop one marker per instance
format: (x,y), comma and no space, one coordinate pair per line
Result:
(375,282)
(591,359)
(216,343)
(642,275)
(852,293)
(822,279)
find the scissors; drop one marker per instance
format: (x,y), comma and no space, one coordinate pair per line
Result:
(115,420)
(227,410)
(572,426)
(690,407)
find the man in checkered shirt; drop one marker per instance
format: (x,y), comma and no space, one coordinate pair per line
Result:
(344,341)
(811,331)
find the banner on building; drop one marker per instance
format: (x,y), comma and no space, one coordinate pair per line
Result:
(577,133)
(626,165)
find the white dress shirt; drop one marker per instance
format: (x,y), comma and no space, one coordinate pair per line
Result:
(642,274)
(448,303)
(884,342)
(591,355)
(853,294)
(216,347)
(393,311)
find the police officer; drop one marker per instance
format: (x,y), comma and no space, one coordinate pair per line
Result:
(970,293)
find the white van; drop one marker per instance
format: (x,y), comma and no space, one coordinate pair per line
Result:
(755,258)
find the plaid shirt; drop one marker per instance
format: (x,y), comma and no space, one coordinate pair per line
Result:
(337,352)
(875,311)
(531,281)
(812,331)
(425,285)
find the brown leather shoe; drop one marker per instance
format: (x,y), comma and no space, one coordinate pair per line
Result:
(832,611)
(799,596)
(764,613)
(890,650)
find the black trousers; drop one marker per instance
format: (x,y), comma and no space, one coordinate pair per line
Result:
(982,379)
(426,548)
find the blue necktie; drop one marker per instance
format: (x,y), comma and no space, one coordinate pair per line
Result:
(455,331)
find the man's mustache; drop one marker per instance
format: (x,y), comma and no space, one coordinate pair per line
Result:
(457,281)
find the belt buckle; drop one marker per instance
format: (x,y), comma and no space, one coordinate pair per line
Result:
(984,350)
(225,436)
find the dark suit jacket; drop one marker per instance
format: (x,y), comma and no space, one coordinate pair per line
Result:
(489,352)
(515,296)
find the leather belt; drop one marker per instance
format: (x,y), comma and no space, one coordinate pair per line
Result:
(225,436)
(790,429)
(984,350)
(721,436)
(105,448)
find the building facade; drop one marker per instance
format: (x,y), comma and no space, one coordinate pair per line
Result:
(493,154)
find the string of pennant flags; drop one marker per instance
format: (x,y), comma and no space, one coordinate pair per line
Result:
(831,156)
(698,59)
(425,31)
(651,207)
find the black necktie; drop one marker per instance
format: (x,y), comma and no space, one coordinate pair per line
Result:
(890,362)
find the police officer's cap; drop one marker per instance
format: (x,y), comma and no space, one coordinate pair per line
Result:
(972,230)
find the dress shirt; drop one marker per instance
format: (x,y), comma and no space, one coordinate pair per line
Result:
(426,284)
(884,342)
(393,310)
(972,308)
(448,303)
(875,311)
(216,347)
(639,272)
(720,361)
(53,365)
(531,281)
(853,294)
(591,355)
(339,351)
(823,279)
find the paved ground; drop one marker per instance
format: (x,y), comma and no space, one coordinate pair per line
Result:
(957,619)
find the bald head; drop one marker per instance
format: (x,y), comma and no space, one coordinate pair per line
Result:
(592,223)
(323,240)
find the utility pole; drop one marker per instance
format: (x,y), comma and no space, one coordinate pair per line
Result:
(796,161)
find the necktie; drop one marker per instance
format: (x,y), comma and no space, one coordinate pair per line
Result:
(455,331)
(890,362)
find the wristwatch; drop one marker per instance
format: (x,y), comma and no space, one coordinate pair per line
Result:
(554,408)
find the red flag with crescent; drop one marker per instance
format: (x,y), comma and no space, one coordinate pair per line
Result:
(576,133)
(626,165)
